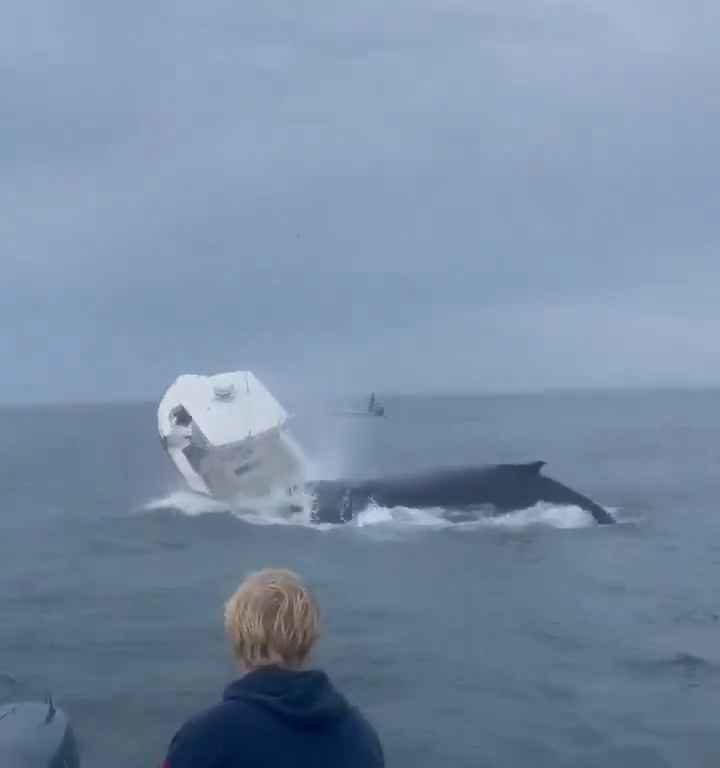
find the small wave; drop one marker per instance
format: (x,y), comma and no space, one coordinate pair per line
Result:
(565,517)
(186,502)
(694,669)
(275,511)
(401,516)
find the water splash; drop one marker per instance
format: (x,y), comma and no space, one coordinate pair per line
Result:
(275,511)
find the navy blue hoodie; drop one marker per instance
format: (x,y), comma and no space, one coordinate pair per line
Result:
(280,718)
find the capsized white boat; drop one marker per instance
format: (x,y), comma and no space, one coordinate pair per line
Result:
(228,436)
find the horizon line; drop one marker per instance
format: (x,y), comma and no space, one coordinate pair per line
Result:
(396,393)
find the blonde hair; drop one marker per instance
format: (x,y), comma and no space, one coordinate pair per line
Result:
(272,619)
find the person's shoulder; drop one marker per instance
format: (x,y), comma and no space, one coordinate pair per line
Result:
(365,736)
(203,738)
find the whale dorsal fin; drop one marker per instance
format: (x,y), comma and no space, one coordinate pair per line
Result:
(533,468)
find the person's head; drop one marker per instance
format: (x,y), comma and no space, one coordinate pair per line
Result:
(272,619)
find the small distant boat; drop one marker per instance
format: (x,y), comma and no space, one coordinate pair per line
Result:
(374,408)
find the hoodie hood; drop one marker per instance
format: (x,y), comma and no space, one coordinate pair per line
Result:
(302,699)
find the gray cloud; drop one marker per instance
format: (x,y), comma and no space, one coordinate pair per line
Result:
(410,195)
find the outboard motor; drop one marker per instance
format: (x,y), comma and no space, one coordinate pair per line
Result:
(36,734)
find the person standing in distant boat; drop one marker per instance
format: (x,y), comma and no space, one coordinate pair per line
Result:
(279,713)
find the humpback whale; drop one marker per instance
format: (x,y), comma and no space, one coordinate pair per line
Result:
(498,488)
(229,438)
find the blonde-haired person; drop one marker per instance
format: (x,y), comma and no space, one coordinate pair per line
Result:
(279,712)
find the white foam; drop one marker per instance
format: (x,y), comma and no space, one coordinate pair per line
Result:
(274,511)
(186,502)
(374,514)
(565,517)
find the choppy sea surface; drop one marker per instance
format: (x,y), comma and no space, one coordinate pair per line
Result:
(536,639)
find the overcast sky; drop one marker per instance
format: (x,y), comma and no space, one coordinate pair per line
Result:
(410,195)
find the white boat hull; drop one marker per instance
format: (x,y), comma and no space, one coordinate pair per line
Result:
(228,438)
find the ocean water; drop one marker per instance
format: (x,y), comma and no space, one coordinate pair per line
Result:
(538,639)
